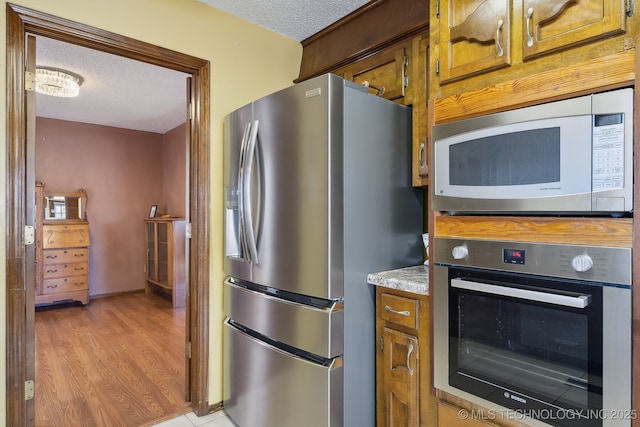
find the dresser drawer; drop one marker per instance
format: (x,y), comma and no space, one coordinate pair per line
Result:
(55,236)
(54,256)
(65,284)
(65,269)
(399,310)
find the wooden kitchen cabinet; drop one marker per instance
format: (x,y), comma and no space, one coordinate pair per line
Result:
(399,73)
(166,258)
(62,249)
(474,37)
(485,35)
(453,416)
(386,73)
(403,360)
(385,44)
(552,25)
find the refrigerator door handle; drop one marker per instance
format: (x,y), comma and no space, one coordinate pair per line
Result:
(241,175)
(247,194)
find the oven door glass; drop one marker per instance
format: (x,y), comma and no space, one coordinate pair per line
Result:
(527,343)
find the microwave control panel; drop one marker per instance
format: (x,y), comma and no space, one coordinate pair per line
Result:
(608,151)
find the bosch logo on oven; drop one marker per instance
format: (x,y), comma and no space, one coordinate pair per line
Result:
(513,256)
(514,397)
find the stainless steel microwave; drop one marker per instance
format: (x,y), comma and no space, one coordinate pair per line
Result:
(563,157)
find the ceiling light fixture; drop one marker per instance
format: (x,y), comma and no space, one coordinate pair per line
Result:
(55,82)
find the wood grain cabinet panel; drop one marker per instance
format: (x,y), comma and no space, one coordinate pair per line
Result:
(550,25)
(401,378)
(403,360)
(476,36)
(385,73)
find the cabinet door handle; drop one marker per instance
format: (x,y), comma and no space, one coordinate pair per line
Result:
(529,38)
(409,351)
(409,359)
(421,156)
(402,313)
(499,50)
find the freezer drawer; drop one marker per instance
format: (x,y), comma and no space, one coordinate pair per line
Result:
(267,387)
(317,330)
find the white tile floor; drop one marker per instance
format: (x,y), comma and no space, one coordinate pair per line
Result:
(217,419)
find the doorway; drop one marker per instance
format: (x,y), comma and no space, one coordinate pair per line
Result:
(20,183)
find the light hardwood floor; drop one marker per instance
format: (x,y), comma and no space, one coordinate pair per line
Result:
(119,361)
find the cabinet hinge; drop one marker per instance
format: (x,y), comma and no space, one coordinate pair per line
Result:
(438,67)
(29,235)
(187,230)
(405,79)
(189,349)
(438,9)
(29,389)
(629,7)
(29,81)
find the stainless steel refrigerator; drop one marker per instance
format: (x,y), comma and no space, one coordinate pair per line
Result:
(317,195)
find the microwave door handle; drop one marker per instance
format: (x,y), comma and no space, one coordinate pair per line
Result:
(248,193)
(241,178)
(580,301)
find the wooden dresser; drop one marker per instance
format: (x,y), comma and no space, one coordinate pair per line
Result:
(62,248)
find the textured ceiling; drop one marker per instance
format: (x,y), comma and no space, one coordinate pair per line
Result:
(125,93)
(116,91)
(296,19)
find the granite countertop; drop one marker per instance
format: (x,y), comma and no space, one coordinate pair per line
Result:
(411,279)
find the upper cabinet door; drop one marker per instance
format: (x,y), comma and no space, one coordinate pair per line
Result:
(474,37)
(385,73)
(550,25)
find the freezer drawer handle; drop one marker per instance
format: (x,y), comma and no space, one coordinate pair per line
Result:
(402,313)
(580,301)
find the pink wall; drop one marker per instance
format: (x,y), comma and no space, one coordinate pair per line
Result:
(124,173)
(174,170)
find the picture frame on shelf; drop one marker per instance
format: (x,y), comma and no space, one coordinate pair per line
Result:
(153,211)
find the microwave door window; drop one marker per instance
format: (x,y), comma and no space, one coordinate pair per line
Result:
(519,161)
(517,158)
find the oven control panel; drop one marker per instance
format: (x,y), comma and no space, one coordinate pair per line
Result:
(588,263)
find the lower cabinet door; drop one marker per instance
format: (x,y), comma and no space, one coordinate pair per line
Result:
(400,377)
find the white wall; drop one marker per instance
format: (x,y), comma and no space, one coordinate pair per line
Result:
(247,62)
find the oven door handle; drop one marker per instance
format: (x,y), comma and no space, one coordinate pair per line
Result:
(580,301)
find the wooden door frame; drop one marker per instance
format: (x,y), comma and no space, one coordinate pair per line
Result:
(20,21)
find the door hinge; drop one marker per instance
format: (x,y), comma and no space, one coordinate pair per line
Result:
(191,107)
(438,67)
(187,230)
(189,349)
(438,9)
(29,81)
(381,342)
(629,7)
(29,235)
(29,389)
(405,78)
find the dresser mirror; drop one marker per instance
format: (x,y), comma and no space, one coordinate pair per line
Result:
(65,206)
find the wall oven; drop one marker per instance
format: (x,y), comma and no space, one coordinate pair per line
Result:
(539,330)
